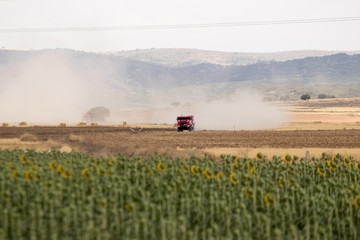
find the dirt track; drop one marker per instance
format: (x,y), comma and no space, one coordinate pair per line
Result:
(108,140)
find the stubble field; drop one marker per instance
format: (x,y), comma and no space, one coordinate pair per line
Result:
(331,126)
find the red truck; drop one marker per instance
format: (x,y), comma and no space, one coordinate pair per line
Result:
(185,123)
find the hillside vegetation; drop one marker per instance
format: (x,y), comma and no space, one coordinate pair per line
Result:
(274,75)
(176,57)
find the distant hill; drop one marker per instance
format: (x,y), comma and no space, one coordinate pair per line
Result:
(177,57)
(121,78)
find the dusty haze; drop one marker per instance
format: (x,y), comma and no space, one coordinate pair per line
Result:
(48,89)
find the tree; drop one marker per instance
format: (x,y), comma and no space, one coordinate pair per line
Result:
(98,114)
(324,96)
(305,97)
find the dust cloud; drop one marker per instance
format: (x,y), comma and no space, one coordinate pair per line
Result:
(53,87)
(241,110)
(43,89)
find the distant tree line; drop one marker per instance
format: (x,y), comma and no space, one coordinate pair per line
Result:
(324,96)
(320,96)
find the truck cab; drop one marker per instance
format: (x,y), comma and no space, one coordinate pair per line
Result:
(185,123)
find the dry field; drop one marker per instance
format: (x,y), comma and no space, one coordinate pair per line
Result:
(331,126)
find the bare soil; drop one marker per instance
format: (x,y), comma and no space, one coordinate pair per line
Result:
(109,140)
(330,125)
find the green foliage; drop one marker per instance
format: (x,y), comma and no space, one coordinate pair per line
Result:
(305,97)
(324,96)
(56,195)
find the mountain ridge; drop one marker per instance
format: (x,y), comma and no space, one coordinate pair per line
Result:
(284,80)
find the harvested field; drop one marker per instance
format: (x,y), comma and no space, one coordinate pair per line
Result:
(108,140)
(330,125)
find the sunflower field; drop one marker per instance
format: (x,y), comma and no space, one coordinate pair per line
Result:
(57,195)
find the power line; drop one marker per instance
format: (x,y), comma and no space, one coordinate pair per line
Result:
(180,26)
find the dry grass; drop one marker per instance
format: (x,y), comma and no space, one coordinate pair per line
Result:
(75,138)
(26,137)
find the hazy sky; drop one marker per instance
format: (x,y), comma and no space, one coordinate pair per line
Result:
(69,14)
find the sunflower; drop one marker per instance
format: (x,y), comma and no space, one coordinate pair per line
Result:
(250,163)
(252,170)
(208,174)
(13,174)
(281,183)
(184,169)
(111,162)
(27,175)
(160,167)
(218,176)
(269,200)
(331,165)
(36,175)
(4,195)
(108,172)
(320,172)
(357,202)
(59,169)
(259,156)
(84,172)
(287,158)
(102,204)
(234,167)
(237,160)
(128,207)
(346,160)
(248,193)
(194,169)
(358,166)
(100,171)
(233,179)
(9,165)
(22,158)
(291,181)
(52,165)
(67,175)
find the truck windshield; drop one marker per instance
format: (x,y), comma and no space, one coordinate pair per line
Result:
(183,118)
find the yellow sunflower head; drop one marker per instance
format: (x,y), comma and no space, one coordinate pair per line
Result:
(248,193)
(27,175)
(320,171)
(269,200)
(36,175)
(52,164)
(208,174)
(160,167)
(259,156)
(84,172)
(331,165)
(194,169)
(287,158)
(358,166)
(233,179)
(357,202)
